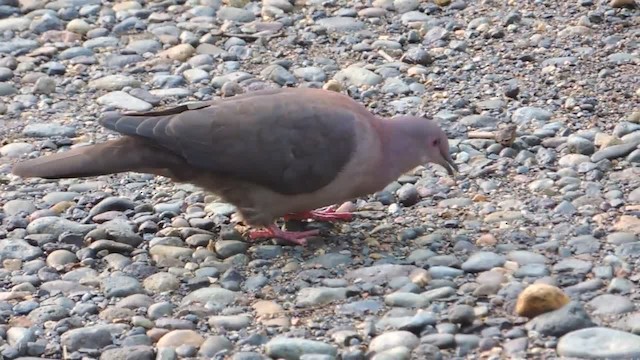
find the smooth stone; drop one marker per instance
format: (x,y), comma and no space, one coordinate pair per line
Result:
(120,286)
(315,296)
(405,299)
(17,206)
(392,339)
(16,149)
(483,261)
(60,258)
(122,100)
(230,322)
(218,296)
(48,130)
(87,337)
(614,151)
(341,24)
(599,343)
(609,304)
(358,76)
(235,14)
(293,348)
(161,282)
(176,338)
(568,318)
(18,249)
(114,82)
(213,345)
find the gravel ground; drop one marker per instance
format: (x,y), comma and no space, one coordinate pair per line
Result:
(530,252)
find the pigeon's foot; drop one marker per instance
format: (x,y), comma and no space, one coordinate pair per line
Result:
(325,214)
(295,237)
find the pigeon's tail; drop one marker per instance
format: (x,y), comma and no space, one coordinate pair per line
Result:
(114,156)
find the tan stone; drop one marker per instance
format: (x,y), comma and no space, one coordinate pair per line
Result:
(176,338)
(127,5)
(540,298)
(628,223)
(266,307)
(156,333)
(486,240)
(332,85)
(180,52)
(622,3)
(12,264)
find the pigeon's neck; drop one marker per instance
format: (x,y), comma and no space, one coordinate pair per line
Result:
(401,153)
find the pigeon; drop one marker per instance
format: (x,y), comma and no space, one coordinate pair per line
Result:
(289,153)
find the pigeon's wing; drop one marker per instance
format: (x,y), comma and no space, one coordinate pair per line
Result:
(291,141)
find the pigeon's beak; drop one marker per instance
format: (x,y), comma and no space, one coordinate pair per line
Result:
(447,163)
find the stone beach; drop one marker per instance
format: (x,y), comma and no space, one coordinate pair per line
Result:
(531,251)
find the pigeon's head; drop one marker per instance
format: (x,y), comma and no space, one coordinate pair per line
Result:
(429,140)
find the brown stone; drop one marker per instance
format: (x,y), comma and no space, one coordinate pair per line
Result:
(442,2)
(540,298)
(623,3)
(628,223)
(486,240)
(176,338)
(180,52)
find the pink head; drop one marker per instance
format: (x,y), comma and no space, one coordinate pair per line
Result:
(417,141)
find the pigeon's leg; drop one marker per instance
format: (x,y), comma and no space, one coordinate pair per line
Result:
(273,231)
(328,213)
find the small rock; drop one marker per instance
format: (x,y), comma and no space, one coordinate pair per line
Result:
(540,298)
(161,282)
(293,348)
(214,344)
(392,339)
(177,338)
(559,322)
(87,337)
(180,52)
(314,296)
(122,100)
(609,304)
(483,261)
(599,343)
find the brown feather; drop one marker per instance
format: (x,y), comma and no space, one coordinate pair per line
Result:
(111,157)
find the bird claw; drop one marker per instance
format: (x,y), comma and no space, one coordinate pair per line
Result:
(294,237)
(328,213)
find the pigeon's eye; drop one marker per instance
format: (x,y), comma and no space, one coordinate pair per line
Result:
(436,142)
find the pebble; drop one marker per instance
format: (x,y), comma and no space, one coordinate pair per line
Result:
(609,304)
(558,322)
(161,282)
(219,296)
(89,337)
(598,343)
(358,76)
(120,286)
(341,24)
(320,296)
(48,130)
(482,261)
(393,339)
(114,82)
(176,338)
(540,298)
(122,100)
(294,348)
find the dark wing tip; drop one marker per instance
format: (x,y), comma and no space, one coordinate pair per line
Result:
(109,119)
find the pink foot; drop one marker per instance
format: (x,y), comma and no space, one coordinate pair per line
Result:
(295,237)
(324,214)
